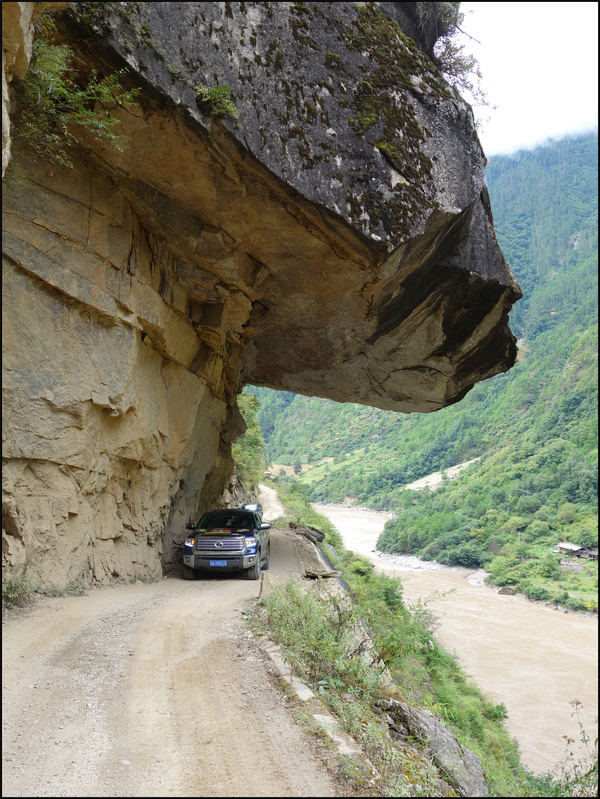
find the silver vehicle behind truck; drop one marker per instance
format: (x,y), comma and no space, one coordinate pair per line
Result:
(255,506)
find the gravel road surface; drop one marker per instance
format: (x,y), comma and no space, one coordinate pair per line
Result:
(151,690)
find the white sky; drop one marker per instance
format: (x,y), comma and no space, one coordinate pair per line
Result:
(539,63)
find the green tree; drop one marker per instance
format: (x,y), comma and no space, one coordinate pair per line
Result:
(548,567)
(248,451)
(514,525)
(538,529)
(567,513)
(460,67)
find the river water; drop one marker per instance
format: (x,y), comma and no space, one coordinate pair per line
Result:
(533,659)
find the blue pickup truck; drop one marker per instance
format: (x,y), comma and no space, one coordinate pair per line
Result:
(227,540)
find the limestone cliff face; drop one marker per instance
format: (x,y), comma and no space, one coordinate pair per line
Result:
(110,431)
(335,240)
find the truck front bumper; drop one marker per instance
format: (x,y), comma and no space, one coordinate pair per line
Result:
(226,564)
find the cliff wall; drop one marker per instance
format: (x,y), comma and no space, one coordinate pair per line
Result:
(334,239)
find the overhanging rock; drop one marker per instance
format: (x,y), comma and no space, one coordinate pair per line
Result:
(333,239)
(348,195)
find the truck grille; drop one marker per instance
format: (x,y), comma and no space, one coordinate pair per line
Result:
(208,543)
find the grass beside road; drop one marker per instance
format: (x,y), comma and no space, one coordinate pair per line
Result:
(325,638)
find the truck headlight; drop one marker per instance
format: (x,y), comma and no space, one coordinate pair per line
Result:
(251,543)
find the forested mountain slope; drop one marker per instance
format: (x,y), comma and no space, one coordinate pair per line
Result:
(534,428)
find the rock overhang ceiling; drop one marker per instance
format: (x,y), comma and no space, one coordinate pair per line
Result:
(342,216)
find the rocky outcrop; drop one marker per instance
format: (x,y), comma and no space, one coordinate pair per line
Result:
(335,239)
(457,764)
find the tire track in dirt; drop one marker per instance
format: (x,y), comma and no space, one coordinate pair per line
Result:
(150,690)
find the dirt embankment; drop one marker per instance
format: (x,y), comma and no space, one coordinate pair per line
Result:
(151,690)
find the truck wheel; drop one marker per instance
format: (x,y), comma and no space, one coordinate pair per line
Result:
(265,565)
(188,574)
(253,573)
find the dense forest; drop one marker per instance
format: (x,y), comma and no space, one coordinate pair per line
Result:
(533,429)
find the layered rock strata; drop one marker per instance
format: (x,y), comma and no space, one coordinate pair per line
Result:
(335,239)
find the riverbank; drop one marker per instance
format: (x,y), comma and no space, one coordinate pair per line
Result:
(365,544)
(520,653)
(413,562)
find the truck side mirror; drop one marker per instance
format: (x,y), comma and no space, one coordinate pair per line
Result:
(265,526)
(189,526)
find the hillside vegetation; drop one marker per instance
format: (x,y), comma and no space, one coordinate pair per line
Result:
(533,428)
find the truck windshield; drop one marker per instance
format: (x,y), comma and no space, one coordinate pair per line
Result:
(225,521)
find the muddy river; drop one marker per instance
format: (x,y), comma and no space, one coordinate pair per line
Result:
(533,659)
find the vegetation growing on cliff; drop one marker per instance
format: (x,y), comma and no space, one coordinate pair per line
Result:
(215,100)
(55,98)
(460,68)
(248,451)
(397,63)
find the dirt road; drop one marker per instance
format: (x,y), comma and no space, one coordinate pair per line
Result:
(150,690)
(272,507)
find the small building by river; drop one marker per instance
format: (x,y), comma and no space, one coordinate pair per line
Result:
(576,551)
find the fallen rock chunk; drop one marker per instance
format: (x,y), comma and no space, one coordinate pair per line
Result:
(309,532)
(458,765)
(312,575)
